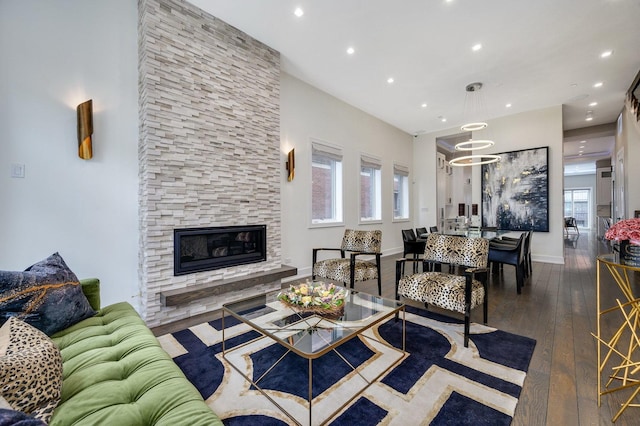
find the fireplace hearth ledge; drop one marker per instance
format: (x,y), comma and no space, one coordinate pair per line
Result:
(182,296)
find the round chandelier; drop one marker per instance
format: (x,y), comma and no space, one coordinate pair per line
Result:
(471,144)
(472,90)
(474,160)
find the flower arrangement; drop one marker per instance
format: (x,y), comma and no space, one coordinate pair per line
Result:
(628,229)
(314,296)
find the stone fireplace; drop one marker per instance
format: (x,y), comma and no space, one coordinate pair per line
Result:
(209,155)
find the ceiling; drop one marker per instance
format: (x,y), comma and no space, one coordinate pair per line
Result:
(534,55)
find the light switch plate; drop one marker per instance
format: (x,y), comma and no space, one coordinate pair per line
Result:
(17,170)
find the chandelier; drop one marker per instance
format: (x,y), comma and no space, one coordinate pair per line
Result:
(473,101)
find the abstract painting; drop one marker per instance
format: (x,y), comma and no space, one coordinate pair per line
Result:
(515,191)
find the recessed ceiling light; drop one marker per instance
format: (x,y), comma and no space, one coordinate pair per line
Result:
(390,80)
(351,50)
(598,84)
(592,104)
(476,47)
(508,106)
(424,105)
(298,12)
(588,119)
(581,146)
(606,53)
(443,119)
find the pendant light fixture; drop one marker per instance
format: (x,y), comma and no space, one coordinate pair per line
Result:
(473,102)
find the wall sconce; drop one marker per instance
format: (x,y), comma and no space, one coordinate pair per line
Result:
(85,129)
(290,165)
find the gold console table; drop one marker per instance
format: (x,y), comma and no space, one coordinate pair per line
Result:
(619,353)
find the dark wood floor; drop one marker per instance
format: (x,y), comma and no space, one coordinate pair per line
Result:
(557,307)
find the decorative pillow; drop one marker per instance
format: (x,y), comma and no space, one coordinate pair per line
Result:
(46,295)
(18,418)
(30,369)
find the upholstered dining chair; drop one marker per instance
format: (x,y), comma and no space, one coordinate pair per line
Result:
(433,229)
(450,291)
(421,231)
(350,269)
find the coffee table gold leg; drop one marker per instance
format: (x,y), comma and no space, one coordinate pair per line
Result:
(223,332)
(310,387)
(600,366)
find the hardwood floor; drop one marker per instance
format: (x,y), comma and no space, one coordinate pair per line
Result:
(557,307)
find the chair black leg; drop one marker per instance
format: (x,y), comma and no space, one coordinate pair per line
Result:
(467,321)
(519,278)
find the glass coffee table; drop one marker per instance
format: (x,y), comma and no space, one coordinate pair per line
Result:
(312,335)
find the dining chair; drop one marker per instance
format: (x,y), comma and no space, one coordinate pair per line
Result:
(420,232)
(527,250)
(570,222)
(433,229)
(355,243)
(509,254)
(412,245)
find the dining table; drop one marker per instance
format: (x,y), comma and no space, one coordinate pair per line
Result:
(477,233)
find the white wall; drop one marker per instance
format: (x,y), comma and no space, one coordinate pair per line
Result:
(54,56)
(309,113)
(530,129)
(628,137)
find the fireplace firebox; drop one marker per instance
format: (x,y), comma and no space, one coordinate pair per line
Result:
(206,249)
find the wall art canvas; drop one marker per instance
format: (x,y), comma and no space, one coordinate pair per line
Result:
(515,191)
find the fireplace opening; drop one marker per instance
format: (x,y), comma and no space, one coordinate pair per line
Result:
(206,249)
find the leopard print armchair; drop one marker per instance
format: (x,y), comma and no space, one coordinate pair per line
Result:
(349,270)
(448,290)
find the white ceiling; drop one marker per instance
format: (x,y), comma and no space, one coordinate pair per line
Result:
(535,54)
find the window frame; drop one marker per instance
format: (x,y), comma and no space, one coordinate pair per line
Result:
(333,154)
(375,165)
(401,170)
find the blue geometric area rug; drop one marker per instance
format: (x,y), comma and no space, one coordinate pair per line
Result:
(439,382)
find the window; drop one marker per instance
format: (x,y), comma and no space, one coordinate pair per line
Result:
(326,182)
(576,205)
(370,189)
(400,192)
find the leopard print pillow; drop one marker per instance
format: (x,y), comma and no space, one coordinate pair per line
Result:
(30,369)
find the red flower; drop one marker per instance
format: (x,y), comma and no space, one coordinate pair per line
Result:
(628,229)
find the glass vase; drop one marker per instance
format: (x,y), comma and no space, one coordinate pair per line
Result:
(629,254)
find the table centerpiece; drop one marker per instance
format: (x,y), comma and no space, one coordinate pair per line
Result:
(314,296)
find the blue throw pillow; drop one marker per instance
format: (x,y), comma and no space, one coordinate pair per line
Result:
(17,418)
(46,295)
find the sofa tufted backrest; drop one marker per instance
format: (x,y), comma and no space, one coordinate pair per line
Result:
(362,241)
(457,250)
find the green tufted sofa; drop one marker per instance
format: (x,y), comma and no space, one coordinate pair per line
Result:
(116,373)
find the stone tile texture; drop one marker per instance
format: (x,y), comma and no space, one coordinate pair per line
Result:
(209,147)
